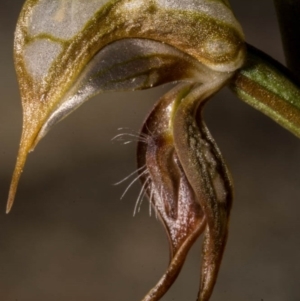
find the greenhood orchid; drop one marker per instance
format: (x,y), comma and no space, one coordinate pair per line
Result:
(67,51)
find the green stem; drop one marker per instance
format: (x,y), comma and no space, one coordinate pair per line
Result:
(269,87)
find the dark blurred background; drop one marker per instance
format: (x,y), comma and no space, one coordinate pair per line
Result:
(70,238)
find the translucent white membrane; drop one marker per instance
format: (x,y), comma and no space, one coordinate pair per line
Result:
(125,65)
(62,18)
(39,56)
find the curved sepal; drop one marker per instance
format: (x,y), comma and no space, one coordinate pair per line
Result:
(57,41)
(167,187)
(187,182)
(209,177)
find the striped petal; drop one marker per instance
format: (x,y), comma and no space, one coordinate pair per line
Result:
(59,45)
(187,182)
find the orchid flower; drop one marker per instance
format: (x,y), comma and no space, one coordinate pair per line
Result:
(67,51)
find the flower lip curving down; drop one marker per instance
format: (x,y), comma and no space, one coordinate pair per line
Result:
(67,51)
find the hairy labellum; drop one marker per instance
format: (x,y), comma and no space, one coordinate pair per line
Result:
(188,197)
(67,51)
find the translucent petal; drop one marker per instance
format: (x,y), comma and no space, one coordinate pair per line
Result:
(57,41)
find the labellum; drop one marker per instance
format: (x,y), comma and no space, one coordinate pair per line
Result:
(67,51)
(187,182)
